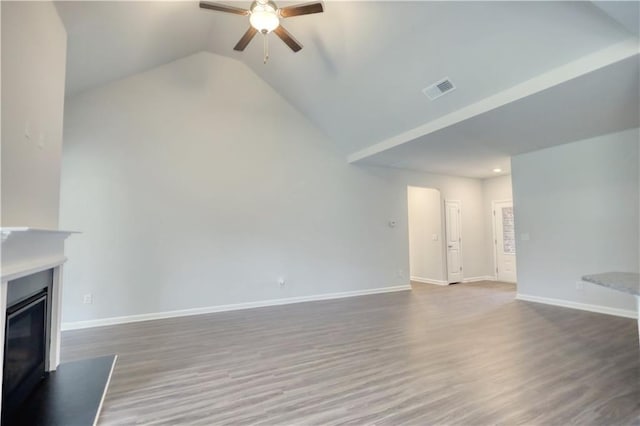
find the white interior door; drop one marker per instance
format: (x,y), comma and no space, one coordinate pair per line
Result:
(504,240)
(453,239)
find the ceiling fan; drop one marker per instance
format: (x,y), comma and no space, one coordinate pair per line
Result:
(264,17)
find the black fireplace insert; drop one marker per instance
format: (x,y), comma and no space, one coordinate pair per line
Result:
(25,348)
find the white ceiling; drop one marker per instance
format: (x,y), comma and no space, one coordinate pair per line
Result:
(597,103)
(360,75)
(114,39)
(365,64)
(626,13)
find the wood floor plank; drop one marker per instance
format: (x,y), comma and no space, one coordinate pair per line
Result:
(467,354)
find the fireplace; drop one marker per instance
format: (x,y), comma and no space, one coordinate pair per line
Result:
(27,326)
(30,299)
(31,296)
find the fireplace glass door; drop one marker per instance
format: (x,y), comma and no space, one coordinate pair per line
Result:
(25,350)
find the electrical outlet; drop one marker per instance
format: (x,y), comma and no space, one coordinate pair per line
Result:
(580,285)
(87,299)
(281,282)
(400,273)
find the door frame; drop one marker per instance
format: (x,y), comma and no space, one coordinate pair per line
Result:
(495,234)
(444,240)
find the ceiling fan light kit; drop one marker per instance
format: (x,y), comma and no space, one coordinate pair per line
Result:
(264,17)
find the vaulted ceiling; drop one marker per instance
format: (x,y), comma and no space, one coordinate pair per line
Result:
(361,74)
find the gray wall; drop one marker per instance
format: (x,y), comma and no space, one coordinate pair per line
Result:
(35,40)
(195,185)
(579,204)
(426,255)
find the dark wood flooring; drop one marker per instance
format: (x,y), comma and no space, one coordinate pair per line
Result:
(467,354)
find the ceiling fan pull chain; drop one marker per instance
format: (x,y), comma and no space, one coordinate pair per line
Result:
(266,47)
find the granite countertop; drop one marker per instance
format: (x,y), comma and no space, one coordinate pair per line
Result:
(627,282)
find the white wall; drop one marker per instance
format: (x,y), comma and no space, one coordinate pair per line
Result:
(197,185)
(493,189)
(470,193)
(426,257)
(579,205)
(34,44)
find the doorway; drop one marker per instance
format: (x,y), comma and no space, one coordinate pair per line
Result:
(504,241)
(426,254)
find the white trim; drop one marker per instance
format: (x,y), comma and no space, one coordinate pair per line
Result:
(23,269)
(480,278)
(104,393)
(75,325)
(428,281)
(21,231)
(56,319)
(576,305)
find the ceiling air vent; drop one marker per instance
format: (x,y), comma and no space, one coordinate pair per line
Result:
(439,88)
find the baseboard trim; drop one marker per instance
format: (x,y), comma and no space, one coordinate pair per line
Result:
(580,306)
(477,279)
(428,281)
(76,325)
(464,280)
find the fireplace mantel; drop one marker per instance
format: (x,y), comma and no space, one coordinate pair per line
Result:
(26,251)
(29,250)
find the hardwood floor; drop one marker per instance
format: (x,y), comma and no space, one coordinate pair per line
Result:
(465,354)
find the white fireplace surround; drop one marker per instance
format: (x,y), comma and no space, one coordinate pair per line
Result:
(26,251)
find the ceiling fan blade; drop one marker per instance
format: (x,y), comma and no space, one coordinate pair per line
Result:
(223,8)
(288,38)
(246,38)
(301,9)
